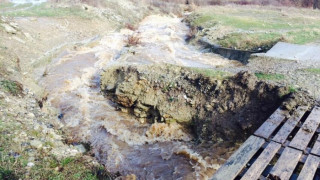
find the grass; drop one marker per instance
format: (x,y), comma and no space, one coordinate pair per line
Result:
(251,27)
(44,10)
(14,158)
(212,73)
(46,165)
(313,70)
(11,87)
(303,36)
(292,89)
(250,41)
(271,77)
(4,5)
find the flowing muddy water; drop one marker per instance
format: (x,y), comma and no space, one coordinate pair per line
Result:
(120,141)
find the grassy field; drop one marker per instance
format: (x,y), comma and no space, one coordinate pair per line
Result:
(253,27)
(45,10)
(313,70)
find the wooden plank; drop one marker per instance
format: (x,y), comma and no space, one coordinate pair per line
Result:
(267,128)
(239,159)
(262,161)
(316,147)
(286,163)
(305,133)
(290,124)
(309,168)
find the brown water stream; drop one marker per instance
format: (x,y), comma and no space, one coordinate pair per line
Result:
(120,141)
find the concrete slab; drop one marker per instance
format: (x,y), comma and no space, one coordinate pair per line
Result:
(296,52)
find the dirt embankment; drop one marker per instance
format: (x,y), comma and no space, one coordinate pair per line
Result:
(216,109)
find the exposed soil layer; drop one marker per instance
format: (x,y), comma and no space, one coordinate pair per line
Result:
(216,109)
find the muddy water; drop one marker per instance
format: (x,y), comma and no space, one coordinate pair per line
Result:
(121,142)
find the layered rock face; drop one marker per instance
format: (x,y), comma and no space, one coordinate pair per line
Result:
(214,108)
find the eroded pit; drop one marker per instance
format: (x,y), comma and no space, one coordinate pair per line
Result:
(214,108)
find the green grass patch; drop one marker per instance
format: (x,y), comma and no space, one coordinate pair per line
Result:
(313,70)
(66,161)
(4,5)
(14,160)
(7,174)
(271,77)
(46,165)
(303,36)
(292,89)
(44,10)
(252,28)
(216,74)
(251,41)
(12,87)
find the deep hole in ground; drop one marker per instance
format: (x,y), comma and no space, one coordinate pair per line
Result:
(215,109)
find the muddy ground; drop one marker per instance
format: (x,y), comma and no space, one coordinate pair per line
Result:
(216,109)
(151,120)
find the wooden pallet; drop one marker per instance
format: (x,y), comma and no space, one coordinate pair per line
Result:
(276,150)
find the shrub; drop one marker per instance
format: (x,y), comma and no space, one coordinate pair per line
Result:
(133,40)
(13,87)
(130,27)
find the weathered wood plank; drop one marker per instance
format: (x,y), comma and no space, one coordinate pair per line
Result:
(290,124)
(309,168)
(262,161)
(316,147)
(268,127)
(305,133)
(239,159)
(286,163)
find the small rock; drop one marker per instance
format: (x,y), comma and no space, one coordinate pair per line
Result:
(9,29)
(19,40)
(30,164)
(36,144)
(81,148)
(31,115)
(28,36)
(142,120)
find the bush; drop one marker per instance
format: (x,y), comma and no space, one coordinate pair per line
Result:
(133,40)
(6,174)
(13,87)
(130,27)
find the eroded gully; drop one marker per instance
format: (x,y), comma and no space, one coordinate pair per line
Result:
(118,140)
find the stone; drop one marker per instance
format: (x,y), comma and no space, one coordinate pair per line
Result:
(81,148)
(30,164)
(31,115)
(36,144)
(9,29)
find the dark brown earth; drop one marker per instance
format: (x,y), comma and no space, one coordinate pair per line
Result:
(215,109)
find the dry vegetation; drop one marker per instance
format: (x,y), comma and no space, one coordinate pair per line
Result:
(133,40)
(299,3)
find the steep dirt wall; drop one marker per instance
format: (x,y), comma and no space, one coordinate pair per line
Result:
(214,108)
